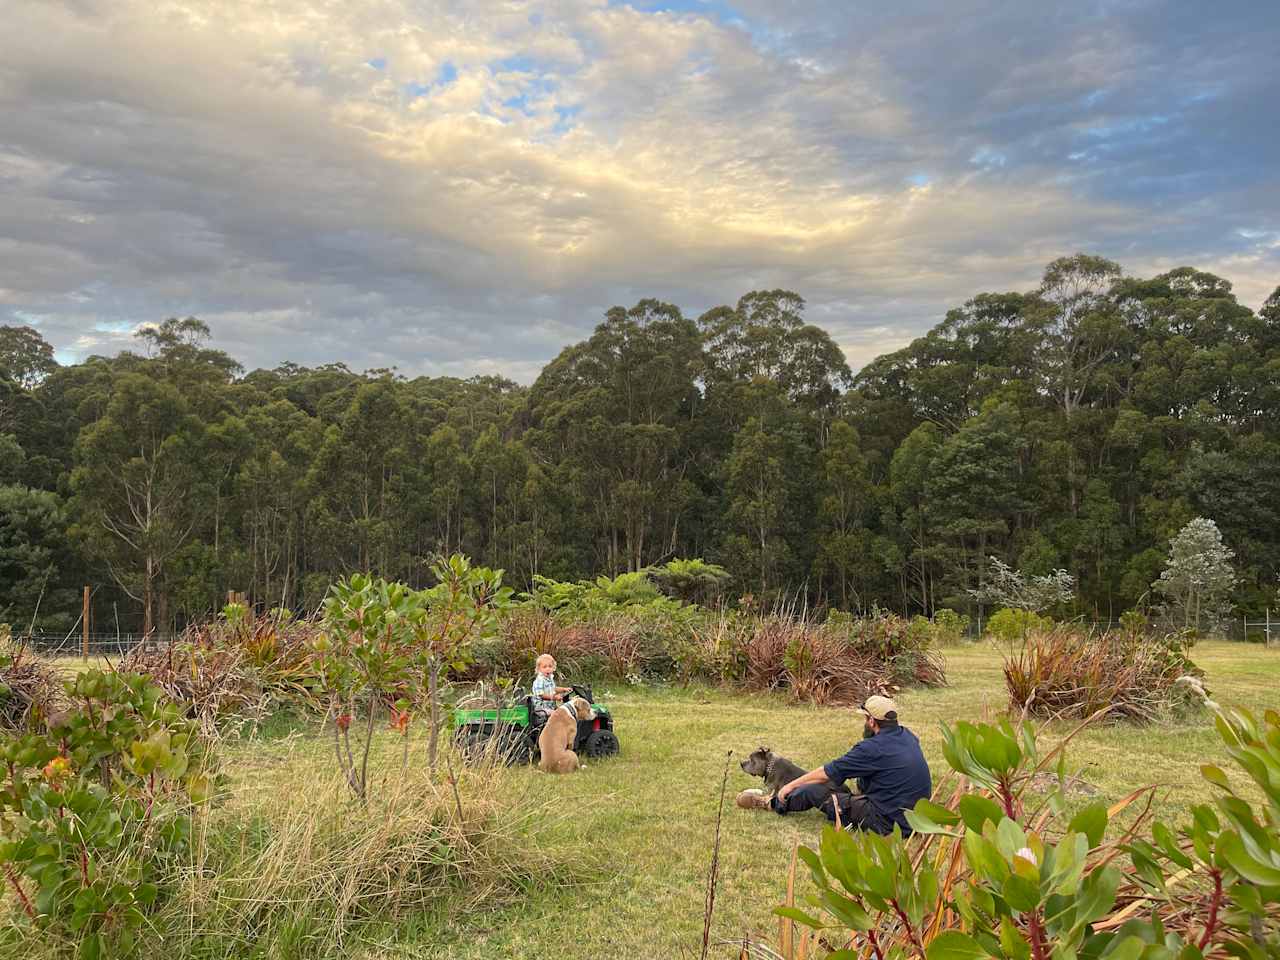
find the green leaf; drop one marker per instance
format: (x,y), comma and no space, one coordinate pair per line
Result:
(1231,849)
(799,916)
(845,910)
(91,947)
(1215,776)
(936,812)
(1020,893)
(1126,948)
(954,945)
(976,810)
(1097,894)
(1092,822)
(1012,942)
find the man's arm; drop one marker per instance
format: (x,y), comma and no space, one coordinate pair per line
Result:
(855,763)
(817,775)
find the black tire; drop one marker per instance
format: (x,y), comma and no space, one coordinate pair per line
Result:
(516,749)
(602,743)
(472,743)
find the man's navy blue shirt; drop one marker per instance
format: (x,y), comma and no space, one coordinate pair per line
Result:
(891,772)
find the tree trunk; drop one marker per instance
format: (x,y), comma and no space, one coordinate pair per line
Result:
(433,697)
(148,583)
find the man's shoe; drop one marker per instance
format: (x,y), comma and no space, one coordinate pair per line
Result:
(754,799)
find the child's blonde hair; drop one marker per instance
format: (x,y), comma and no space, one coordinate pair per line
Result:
(543,658)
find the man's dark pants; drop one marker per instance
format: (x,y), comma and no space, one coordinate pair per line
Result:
(856,811)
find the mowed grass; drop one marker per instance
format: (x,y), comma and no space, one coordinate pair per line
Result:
(644,823)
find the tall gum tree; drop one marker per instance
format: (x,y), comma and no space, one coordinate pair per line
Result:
(139,484)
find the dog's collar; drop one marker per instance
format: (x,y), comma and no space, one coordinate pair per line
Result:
(573,712)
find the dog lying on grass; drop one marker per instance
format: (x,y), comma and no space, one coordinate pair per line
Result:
(777,771)
(555,742)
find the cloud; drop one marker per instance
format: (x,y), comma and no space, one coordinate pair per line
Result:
(463,188)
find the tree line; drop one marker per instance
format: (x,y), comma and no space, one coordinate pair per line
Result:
(1078,426)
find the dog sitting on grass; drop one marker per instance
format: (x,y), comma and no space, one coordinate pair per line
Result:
(777,771)
(555,742)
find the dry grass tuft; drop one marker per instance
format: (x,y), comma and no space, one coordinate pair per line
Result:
(30,687)
(233,672)
(1071,674)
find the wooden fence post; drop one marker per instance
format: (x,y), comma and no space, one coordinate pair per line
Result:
(84,617)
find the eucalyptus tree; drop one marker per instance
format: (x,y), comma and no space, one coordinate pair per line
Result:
(610,416)
(764,338)
(845,502)
(140,485)
(26,357)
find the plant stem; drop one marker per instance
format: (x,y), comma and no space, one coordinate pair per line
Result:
(337,749)
(22,895)
(433,694)
(875,944)
(911,931)
(715,864)
(1038,951)
(368,744)
(1211,926)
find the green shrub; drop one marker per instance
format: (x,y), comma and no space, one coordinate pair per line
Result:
(950,627)
(990,876)
(97,812)
(1012,626)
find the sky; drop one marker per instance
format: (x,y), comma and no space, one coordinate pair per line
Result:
(462,188)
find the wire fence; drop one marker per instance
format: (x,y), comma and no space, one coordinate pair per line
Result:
(99,644)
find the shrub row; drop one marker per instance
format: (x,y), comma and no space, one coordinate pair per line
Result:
(841,660)
(1068,673)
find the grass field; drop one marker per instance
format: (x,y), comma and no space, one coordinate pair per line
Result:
(644,822)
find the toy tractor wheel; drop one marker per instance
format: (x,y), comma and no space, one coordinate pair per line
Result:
(472,744)
(514,748)
(602,743)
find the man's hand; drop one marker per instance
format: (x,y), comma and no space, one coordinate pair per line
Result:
(786,790)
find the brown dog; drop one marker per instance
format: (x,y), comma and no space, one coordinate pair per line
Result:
(555,743)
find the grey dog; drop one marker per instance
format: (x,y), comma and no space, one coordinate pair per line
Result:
(777,771)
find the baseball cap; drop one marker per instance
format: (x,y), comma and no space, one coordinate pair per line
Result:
(879,708)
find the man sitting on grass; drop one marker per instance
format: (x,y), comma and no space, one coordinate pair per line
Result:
(890,769)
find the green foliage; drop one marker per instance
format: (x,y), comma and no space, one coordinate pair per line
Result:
(36,558)
(1011,626)
(97,811)
(691,581)
(1014,589)
(26,358)
(1198,578)
(950,626)
(987,879)
(1077,426)
(627,590)
(382,640)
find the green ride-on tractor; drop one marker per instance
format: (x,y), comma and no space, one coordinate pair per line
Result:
(511,729)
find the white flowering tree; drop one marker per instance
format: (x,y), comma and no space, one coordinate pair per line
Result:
(1007,587)
(1198,579)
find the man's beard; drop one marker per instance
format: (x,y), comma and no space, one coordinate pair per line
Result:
(867,732)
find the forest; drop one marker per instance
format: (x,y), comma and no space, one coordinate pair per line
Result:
(1075,426)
